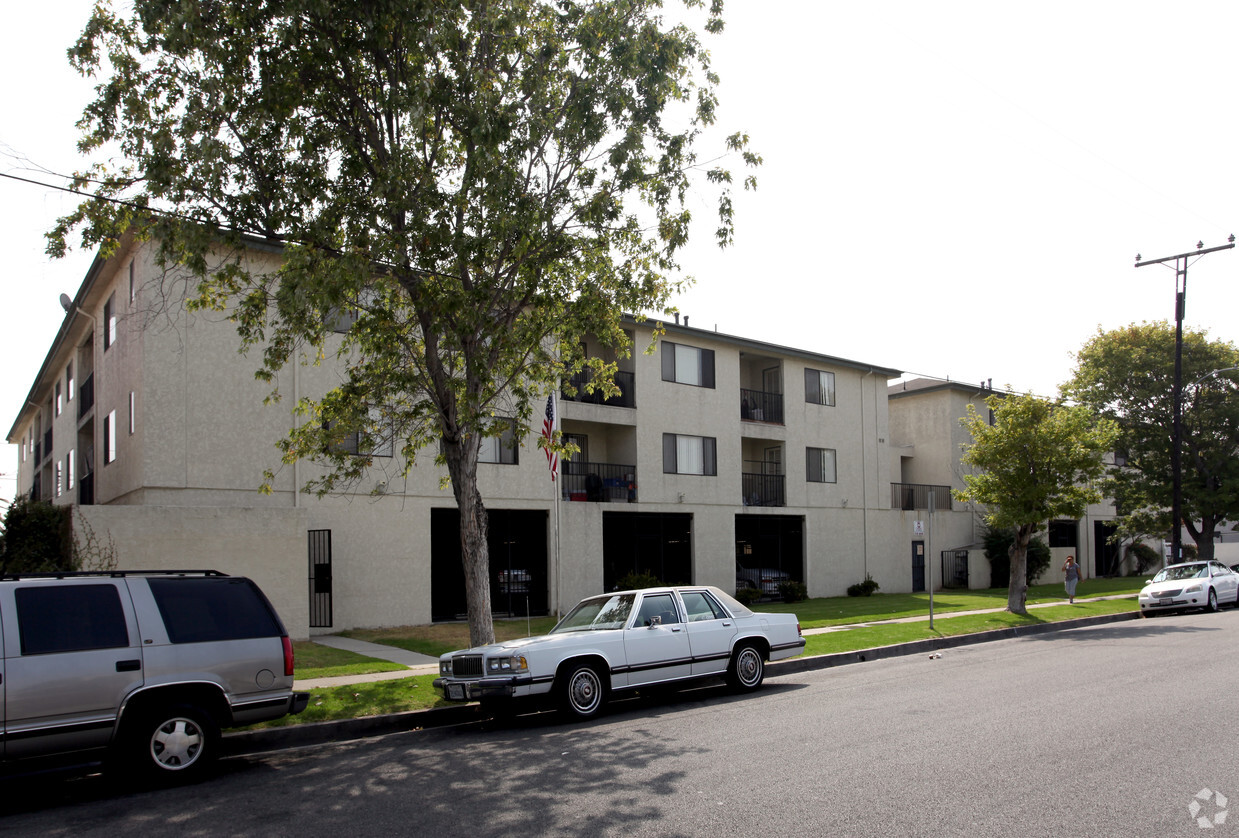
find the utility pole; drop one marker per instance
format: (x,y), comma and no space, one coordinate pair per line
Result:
(1176,451)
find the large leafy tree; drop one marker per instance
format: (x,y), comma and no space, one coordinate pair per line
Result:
(470,185)
(1035,462)
(1128,375)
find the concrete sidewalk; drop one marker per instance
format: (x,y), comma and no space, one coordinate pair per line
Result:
(425,665)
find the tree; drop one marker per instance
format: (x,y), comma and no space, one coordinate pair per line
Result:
(471,187)
(37,537)
(1128,375)
(1036,462)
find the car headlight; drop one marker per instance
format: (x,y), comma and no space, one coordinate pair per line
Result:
(1192,589)
(445,667)
(513,663)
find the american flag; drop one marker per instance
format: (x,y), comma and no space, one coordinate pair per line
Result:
(548,431)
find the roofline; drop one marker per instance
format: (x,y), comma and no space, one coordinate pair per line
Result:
(774,348)
(895,392)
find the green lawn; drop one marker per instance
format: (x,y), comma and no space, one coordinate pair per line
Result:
(315,661)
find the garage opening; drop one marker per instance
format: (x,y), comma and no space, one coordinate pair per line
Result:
(517,542)
(658,545)
(769,550)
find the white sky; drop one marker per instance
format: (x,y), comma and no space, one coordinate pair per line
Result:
(954,189)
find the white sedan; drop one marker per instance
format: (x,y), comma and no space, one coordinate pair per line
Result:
(622,641)
(1202,584)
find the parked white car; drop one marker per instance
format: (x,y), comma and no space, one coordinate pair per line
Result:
(1203,584)
(622,641)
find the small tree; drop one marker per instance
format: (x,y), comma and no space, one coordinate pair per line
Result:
(1036,462)
(38,538)
(998,545)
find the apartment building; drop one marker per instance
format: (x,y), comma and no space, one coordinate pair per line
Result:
(719,453)
(928,438)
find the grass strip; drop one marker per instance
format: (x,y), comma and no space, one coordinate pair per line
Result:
(315,661)
(355,701)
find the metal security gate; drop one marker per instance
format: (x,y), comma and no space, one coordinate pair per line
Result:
(320,578)
(955,569)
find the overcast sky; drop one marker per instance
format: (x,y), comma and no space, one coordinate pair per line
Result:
(953,189)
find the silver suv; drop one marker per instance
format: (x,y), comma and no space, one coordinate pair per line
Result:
(142,666)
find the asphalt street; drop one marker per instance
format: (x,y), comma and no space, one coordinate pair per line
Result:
(1108,730)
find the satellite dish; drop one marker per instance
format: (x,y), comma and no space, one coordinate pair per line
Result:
(65,302)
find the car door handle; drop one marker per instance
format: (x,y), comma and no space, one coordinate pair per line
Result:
(726,622)
(128,666)
(675,628)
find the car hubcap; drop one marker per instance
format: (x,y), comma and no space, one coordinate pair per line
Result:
(176,744)
(586,691)
(748,667)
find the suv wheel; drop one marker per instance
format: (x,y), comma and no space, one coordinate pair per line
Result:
(175,743)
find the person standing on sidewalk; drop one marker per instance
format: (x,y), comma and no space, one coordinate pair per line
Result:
(1071,575)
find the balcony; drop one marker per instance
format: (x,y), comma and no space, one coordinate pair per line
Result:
(47,443)
(760,406)
(86,396)
(763,489)
(598,482)
(916,496)
(86,490)
(625,381)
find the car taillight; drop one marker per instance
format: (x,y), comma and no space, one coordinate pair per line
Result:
(799,633)
(288,655)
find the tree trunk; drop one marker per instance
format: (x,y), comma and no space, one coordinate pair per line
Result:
(462,458)
(1017,587)
(1203,536)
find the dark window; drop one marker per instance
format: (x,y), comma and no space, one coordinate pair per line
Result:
(197,610)
(689,455)
(109,322)
(1064,534)
(687,364)
(500,449)
(819,387)
(657,605)
(70,618)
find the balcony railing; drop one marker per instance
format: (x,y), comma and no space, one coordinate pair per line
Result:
(763,489)
(598,482)
(86,396)
(760,406)
(623,380)
(916,496)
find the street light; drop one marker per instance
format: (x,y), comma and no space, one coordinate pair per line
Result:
(1176,451)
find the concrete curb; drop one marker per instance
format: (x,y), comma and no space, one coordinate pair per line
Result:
(318,733)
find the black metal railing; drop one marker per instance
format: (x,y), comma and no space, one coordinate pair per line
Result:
(623,380)
(955,569)
(916,496)
(598,482)
(760,406)
(86,396)
(763,489)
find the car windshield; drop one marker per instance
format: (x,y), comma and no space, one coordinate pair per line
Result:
(1183,571)
(597,614)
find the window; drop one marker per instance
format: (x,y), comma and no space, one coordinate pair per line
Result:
(198,610)
(819,387)
(500,449)
(132,412)
(689,455)
(70,618)
(71,468)
(688,364)
(60,470)
(60,400)
(658,606)
(109,323)
(1063,534)
(132,291)
(701,606)
(377,439)
(820,465)
(69,379)
(109,438)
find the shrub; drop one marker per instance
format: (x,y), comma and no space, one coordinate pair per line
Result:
(633,581)
(865,588)
(747,595)
(998,551)
(1144,558)
(37,538)
(793,591)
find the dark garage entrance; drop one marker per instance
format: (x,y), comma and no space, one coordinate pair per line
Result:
(518,551)
(647,543)
(770,542)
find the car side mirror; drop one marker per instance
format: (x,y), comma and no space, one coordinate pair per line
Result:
(654,622)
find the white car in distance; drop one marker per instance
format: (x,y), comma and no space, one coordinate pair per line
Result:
(622,641)
(1200,584)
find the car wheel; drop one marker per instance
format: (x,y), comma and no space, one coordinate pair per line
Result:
(583,691)
(747,668)
(175,744)
(1212,604)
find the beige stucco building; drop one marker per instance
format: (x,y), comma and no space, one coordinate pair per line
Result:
(719,453)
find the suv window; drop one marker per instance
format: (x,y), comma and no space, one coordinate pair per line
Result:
(198,610)
(70,618)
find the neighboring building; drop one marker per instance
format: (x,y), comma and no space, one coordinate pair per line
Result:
(928,437)
(719,453)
